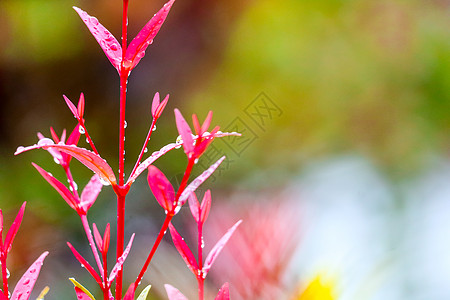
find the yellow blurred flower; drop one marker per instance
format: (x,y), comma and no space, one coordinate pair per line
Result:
(317,290)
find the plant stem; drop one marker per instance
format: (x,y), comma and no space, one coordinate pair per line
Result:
(120,240)
(149,134)
(71,181)
(4,275)
(161,234)
(120,194)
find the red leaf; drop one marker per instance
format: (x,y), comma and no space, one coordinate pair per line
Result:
(81,106)
(13,229)
(206,123)
(218,247)
(205,207)
(185,131)
(137,47)
(106,238)
(3,297)
(198,181)
(161,188)
(106,40)
(86,157)
(130,292)
(90,192)
(85,264)
(59,187)
(173,293)
(120,260)
(184,250)
(224,292)
(25,285)
(157,113)
(146,163)
(194,206)
(81,295)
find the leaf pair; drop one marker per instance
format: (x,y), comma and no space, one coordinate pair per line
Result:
(164,192)
(117,267)
(188,256)
(136,50)
(88,196)
(175,294)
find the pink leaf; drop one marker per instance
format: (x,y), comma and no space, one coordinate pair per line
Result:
(13,229)
(155,104)
(224,292)
(184,250)
(146,163)
(137,47)
(86,157)
(205,207)
(59,187)
(3,297)
(130,292)
(218,247)
(198,181)
(121,260)
(194,206)
(185,131)
(25,285)
(85,264)
(106,40)
(161,188)
(97,237)
(90,192)
(173,293)
(81,295)
(72,107)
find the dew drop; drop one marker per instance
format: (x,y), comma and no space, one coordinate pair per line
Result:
(56,161)
(104,182)
(166,212)
(87,140)
(7,273)
(202,243)
(196,161)
(20,148)
(125,124)
(81,130)
(113,47)
(145,150)
(154,128)
(177,209)
(179,140)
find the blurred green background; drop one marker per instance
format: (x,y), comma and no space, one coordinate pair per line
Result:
(308,83)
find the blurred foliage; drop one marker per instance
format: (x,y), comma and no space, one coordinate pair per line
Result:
(349,76)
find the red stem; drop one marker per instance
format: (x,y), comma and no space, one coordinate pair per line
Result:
(88,137)
(165,225)
(120,240)
(121,194)
(149,134)
(161,234)
(4,275)
(71,182)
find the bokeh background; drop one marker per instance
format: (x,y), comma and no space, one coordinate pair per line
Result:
(342,176)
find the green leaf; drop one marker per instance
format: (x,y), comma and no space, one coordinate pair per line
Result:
(144,293)
(78,285)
